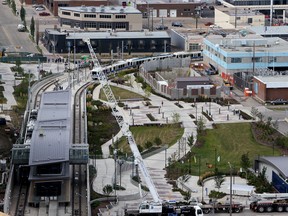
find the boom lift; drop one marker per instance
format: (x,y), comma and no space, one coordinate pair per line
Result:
(156,206)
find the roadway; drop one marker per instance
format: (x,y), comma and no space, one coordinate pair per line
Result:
(10,38)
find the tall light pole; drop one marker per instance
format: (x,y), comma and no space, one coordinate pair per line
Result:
(120,162)
(230,209)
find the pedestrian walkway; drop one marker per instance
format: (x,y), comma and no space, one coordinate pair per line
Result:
(163,110)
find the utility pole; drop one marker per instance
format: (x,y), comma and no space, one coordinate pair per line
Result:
(235,24)
(271,12)
(230,209)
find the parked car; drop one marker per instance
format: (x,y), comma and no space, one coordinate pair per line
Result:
(4,3)
(39,8)
(278,101)
(177,24)
(36,5)
(21,28)
(161,27)
(44,14)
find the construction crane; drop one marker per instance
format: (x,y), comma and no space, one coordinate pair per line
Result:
(124,126)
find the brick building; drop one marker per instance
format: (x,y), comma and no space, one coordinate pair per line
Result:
(268,88)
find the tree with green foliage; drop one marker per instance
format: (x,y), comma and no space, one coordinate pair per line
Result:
(22,13)
(32,27)
(200,125)
(148,91)
(8,2)
(191,140)
(245,161)
(25,24)
(175,118)
(158,141)
(107,189)
(219,180)
(18,63)
(13,6)
(148,145)
(187,195)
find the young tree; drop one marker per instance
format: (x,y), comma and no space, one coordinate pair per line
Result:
(191,141)
(157,141)
(245,161)
(148,91)
(175,118)
(107,189)
(200,126)
(22,13)
(219,180)
(148,145)
(24,23)
(13,6)
(32,27)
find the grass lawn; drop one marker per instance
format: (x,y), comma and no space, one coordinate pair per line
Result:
(120,93)
(168,134)
(230,142)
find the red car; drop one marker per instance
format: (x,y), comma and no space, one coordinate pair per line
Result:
(44,14)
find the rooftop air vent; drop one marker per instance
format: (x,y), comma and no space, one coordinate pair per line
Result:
(93,9)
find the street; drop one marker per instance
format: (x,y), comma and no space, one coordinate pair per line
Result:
(10,38)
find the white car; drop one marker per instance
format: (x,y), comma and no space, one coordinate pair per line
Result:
(40,9)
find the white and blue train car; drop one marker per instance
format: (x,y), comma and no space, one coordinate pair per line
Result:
(136,62)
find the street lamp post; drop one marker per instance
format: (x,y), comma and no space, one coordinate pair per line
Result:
(120,162)
(230,209)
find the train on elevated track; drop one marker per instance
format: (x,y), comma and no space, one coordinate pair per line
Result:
(136,62)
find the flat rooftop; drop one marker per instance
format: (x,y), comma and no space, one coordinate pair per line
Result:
(274,81)
(269,30)
(238,11)
(102,9)
(238,43)
(51,137)
(111,35)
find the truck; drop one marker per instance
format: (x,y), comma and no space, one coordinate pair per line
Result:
(165,209)
(219,207)
(270,205)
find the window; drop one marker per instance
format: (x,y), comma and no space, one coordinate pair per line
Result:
(187,9)
(194,47)
(105,16)
(236,60)
(224,58)
(89,15)
(250,20)
(272,59)
(66,13)
(122,16)
(105,25)
(66,22)
(90,25)
(256,59)
(120,25)
(76,14)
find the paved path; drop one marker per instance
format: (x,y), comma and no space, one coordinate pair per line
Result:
(156,163)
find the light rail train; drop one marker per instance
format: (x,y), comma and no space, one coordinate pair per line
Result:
(136,62)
